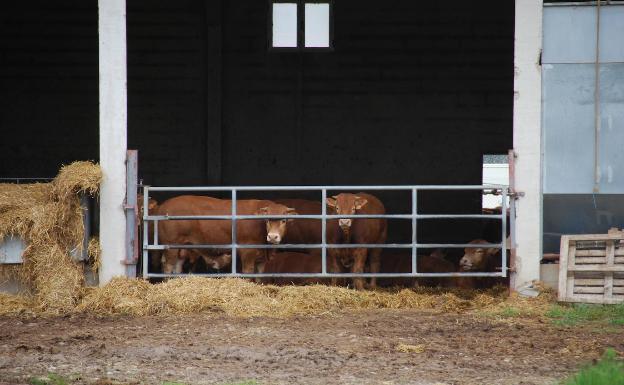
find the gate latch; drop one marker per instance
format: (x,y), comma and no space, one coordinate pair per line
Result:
(516,194)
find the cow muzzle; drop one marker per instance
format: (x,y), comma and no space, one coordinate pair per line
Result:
(274,238)
(344,223)
(465,265)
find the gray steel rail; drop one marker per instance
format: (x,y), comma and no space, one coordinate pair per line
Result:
(323,217)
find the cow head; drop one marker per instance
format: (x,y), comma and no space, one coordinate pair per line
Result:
(151,206)
(218,262)
(477,258)
(346,204)
(276,228)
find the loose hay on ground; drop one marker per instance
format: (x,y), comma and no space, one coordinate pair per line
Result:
(242,298)
(12,305)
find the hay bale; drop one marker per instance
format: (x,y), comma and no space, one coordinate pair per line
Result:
(94,252)
(77,178)
(48,216)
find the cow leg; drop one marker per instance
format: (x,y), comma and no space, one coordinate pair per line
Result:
(248,260)
(155,263)
(178,265)
(359,262)
(170,261)
(332,265)
(375,265)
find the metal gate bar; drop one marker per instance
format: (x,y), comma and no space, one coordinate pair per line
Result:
(414,216)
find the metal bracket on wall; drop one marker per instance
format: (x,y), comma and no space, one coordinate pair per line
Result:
(516,194)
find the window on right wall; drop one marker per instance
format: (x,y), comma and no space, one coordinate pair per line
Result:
(300,25)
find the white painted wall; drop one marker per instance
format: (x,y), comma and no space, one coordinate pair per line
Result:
(527,138)
(495,173)
(113,137)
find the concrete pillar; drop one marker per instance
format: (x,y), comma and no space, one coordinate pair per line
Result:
(113,138)
(527,138)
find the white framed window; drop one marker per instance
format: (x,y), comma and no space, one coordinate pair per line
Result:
(297,24)
(284,32)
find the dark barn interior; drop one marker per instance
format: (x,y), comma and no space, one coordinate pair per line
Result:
(411,93)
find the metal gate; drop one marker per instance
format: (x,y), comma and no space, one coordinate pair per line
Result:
(414,216)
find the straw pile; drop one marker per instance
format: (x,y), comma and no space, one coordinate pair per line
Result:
(242,298)
(48,217)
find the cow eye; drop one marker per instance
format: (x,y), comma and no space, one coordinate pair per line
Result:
(283,220)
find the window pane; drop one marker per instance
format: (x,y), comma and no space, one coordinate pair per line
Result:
(317,25)
(284,24)
(568,128)
(611,32)
(611,138)
(569,35)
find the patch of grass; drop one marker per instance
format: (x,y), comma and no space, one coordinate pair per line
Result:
(50,379)
(575,314)
(607,371)
(510,311)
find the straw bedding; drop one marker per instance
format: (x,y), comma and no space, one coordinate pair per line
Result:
(243,298)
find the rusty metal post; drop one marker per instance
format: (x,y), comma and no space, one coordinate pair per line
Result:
(511,156)
(132,225)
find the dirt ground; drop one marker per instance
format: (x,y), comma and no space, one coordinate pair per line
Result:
(354,348)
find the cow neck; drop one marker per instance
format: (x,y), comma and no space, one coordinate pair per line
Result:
(346,236)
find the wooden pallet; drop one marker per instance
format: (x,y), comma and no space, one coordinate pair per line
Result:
(591,268)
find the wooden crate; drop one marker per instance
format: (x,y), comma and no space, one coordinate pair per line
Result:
(591,268)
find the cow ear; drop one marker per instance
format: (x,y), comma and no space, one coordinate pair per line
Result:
(360,202)
(331,202)
(290,211)
(262,211)
(492,251)
(152,204)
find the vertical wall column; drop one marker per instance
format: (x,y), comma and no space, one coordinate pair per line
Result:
(113,136)
(527,139)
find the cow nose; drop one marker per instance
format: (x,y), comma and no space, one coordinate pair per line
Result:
(465,264)
(344,222)
(274,238)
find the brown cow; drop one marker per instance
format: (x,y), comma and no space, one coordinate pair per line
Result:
(401,262)
(293,262)
(306,231)
(357,231)
(191,232)
(480,259)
